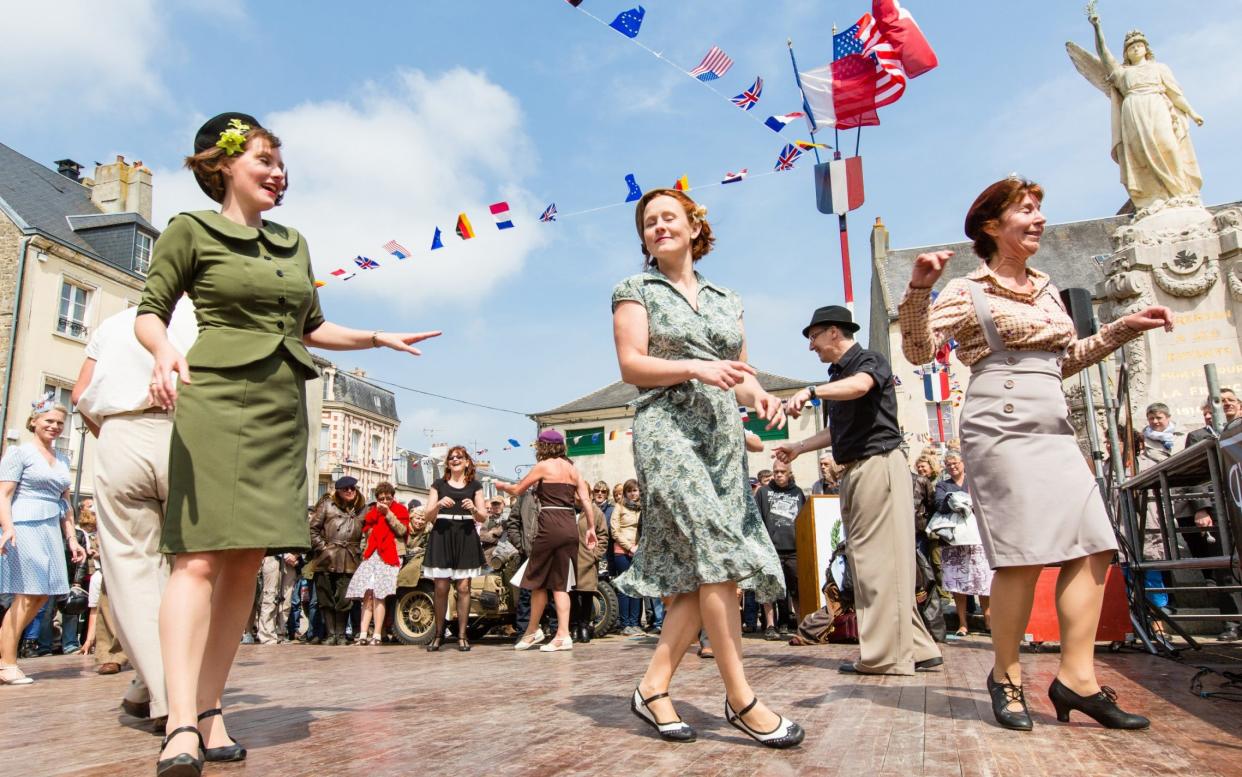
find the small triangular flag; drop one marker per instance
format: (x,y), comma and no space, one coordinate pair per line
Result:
(435,241)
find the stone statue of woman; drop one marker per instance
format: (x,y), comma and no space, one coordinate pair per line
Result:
(1150,136)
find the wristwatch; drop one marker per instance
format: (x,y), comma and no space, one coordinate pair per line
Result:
(811,388)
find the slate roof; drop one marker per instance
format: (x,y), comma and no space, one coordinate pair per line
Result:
(40,200)
(619,394)
(353,390)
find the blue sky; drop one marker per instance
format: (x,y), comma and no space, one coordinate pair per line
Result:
(396,116)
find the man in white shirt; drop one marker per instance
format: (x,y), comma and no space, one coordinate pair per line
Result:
(131,488)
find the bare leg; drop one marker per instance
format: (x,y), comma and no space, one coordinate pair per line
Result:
(368,604)
(538,602)
(769,615)
(725,633)
(185,619)
(962,602)
(1013,591)
(377,603)
(463,606)
(560,599)
(682,623)
(985,603)
(23,610)
(1080,597)
(233,592)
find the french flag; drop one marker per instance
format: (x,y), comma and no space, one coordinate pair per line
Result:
(936,386)
(500,211)
(839,185)
(777,123)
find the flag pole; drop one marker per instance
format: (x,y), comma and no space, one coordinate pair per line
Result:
(805,105)
(846,276)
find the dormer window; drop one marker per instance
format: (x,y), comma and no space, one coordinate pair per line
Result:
(142,252)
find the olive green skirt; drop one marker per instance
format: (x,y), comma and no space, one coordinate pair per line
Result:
(237,465)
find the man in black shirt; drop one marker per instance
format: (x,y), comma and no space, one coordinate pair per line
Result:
(779,503)
(878,513)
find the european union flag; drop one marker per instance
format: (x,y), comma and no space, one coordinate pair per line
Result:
(628,22)
(635,192)
(435,240)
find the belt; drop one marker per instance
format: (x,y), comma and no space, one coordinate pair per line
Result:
(861,459)
(153,410)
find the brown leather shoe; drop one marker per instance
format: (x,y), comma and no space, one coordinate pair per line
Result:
(109,668)
(136,709)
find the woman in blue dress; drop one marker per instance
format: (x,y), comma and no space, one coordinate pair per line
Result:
(680,339)
(36,523)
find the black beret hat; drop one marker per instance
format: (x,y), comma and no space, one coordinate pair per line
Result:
(209,134)
(833,315)
(346,482)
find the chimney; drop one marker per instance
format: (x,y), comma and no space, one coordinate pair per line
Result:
(358,372)
(68,168)
(123,188)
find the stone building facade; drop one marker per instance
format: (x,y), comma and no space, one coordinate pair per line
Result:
(357,431)
(73,251)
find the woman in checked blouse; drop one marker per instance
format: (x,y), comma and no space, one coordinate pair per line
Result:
(1018,444)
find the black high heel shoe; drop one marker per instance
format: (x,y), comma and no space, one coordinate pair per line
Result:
(232,752)
(434,645)
(463,646)
(181,764)
(1101,706)
(1003,694)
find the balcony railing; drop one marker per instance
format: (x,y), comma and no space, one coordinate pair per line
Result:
(72,328)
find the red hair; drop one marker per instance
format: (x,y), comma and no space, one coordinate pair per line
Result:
(991,204)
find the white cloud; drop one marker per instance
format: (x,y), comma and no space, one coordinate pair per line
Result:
(53,50)
(395,162)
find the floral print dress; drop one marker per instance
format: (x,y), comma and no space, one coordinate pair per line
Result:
(699,522)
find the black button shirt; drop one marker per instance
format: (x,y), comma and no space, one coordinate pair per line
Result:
(866,426)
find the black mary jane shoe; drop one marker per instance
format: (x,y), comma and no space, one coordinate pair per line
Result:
(181,764)
(1003,694)
(1101,706)
(675,731)
(226,753)
(786,734)
(463,646)
(434,645)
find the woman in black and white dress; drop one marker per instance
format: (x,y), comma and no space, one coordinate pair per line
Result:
(454,553)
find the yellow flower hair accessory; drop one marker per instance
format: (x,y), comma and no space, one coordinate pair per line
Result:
(700,212)
(233,138)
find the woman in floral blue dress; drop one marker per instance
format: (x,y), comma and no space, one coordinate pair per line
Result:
(680,339)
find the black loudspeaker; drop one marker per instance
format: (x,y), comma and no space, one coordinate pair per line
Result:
(1078,302)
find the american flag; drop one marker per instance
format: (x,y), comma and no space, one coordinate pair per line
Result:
(365,263)
(714,65)
(876,55)
(396,249)
(747,100)
(789,155)
(549,213)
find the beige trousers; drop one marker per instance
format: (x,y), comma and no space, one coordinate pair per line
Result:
(131,489)
(877,506)
(274,599)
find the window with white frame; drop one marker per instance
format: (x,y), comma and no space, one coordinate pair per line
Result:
(69,440)
(934,420)
(71,315)
(355,451)
(325,438)
(142,252)
(377,445)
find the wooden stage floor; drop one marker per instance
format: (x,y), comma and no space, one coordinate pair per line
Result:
(396,710)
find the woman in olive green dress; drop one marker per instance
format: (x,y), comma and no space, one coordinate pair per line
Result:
(237,475)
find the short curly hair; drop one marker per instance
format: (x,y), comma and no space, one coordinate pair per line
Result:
(700,246)
(34,414)
(208,165)
(990,205)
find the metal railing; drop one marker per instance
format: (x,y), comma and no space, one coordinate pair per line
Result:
(72,328)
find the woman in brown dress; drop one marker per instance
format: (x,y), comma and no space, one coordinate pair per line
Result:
(1018,443)
(554,551)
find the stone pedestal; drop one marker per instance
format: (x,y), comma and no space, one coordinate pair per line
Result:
(1189,260)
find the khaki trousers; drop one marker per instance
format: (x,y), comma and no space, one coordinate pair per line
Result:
(131,489)
(877,507)
(108,649)
(275,599)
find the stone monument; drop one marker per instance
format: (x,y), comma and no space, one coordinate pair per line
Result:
(1173,251)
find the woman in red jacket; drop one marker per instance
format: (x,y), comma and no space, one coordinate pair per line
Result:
(376,578)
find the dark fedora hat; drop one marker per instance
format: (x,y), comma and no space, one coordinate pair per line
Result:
(212,132)
(833,315)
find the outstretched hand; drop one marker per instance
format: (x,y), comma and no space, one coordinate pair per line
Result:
(403,341)
(928,268)
(1150,318)
(724,374)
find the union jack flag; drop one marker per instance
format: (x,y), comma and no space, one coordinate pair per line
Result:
(365,263)
(714,65)
(789,155)
(549,213)
(747,100)
(396,249)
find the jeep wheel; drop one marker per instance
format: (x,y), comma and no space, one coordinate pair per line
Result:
(605,610)
(414,619)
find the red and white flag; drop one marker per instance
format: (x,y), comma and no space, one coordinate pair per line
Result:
(844,186)
(898,27)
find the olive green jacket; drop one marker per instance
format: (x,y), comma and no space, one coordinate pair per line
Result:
(218,262)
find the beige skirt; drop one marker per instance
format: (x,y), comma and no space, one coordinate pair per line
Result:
(1035,497)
